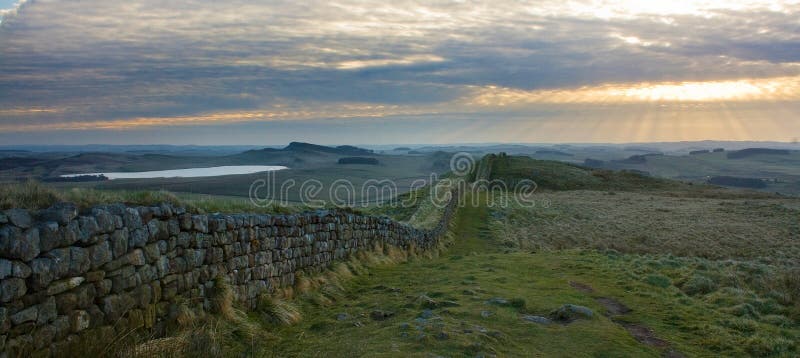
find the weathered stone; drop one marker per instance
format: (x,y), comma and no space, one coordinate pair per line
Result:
(100,254)
(42,338)
(103,287)
(5,268)
(152,252)
(200,223)
(18,244)
(79,261)
(97,317)
(132,219)
(79,320)
(19,218)
(570,312)
(185,221)
(89,230)
(105,221)
(3,218)
(380,315)
(95,276)
(537,319)
(26,315)
(62,327)
(49,237)
(136,257)
(143,295)
(4,323)
(61,213)
(61,260)
(64,285)
(20,270)
(66,302)
(137,238)
(69,234)
(12,289)
(85,294)
(115,306)
(119,242)
(47,311)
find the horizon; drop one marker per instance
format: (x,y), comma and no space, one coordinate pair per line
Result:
(453,144)
(204,73)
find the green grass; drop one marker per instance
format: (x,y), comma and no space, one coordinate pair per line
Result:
(711,321)
(711,273)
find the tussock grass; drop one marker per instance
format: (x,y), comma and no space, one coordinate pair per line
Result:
(33,195)
(27,195)
(222,297)
(277,310)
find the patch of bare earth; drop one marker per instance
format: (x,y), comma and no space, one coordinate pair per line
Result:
(641,333)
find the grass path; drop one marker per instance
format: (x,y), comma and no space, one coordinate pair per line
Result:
(442,307)
(472,299)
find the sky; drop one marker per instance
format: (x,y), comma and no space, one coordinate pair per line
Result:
(375,72)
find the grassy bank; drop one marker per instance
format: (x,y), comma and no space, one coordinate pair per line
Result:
(33,196)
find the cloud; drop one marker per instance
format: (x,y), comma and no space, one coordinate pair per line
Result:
(119,62)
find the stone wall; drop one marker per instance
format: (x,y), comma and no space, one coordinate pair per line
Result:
(118,267)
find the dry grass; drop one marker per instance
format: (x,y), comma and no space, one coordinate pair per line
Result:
(33,196)
(277,310)
(27,195)
(222,298)
(763,229)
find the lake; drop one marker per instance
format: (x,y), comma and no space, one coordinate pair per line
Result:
(188,173)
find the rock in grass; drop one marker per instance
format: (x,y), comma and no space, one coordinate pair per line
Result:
(427,302)
(426,314)
(570,312)
(379,315)
(497,301)
(486,314)
(537,319)
(342,316)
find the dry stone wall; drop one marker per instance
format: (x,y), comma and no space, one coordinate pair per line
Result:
(117,268)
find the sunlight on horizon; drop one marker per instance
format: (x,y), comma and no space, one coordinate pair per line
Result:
(771,89)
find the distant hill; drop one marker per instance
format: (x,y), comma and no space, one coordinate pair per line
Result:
(553,152)
(751,183)
(300,147)
(744,153)
(358,160)
(555,175)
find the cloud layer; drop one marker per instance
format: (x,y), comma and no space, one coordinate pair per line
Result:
(118,65)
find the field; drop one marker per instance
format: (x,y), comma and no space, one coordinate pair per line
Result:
(473,300)
(602,264)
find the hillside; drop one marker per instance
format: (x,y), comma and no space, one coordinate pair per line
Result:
(553,175)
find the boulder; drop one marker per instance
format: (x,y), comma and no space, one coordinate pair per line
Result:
(49,236)
(18,244)
(61,213)
(380,315)
(115,306)
(64,285)
(537,319)
(100,254)
(79,320)
(26,315)
(47,311)
(12,289)
(19,218)
(570,312)
(5,268)
(43,272)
